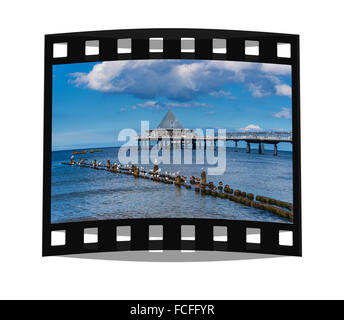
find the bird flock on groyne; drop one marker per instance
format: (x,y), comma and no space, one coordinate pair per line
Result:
(199,184)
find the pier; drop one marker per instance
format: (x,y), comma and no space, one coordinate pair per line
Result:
(213,142)
(172,135)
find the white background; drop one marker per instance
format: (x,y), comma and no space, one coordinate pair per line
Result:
(25,274)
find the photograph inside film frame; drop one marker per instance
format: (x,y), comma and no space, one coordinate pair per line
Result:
(172,139)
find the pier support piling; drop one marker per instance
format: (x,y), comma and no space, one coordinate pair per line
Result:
(275,149)
(236,146)
(248,147)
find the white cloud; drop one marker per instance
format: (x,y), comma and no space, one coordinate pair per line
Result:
(231,65)
(188,73)
(278,69)
(179,80)
(283,90)
(251,127)
(284,113)
(149,104)
(101,76)
(221,93)
(257,90)
(188,105)
(167,105)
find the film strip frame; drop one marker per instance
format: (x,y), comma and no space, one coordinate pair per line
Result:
(204,228)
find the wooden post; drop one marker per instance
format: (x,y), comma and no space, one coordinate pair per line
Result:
(136,172)
(204,179)
(155,168)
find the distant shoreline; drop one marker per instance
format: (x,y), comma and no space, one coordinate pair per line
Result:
(117,147)
(86,148)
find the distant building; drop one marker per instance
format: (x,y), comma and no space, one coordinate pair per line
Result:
(170,127)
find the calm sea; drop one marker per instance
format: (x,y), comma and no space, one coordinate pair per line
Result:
(85,194)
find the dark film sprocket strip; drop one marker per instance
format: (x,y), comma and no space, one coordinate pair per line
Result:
(172,239)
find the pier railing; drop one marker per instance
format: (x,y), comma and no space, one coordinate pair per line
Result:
(275,136)
(197,141)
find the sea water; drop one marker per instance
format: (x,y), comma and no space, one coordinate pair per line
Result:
(79,194)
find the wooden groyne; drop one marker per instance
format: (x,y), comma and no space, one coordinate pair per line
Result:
(80,152)
(279,208)
(86,151)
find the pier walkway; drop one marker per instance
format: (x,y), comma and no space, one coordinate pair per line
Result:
(194,141)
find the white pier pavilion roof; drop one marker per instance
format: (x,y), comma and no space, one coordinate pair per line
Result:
(170,121)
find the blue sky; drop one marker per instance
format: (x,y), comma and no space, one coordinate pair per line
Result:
(92,102)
